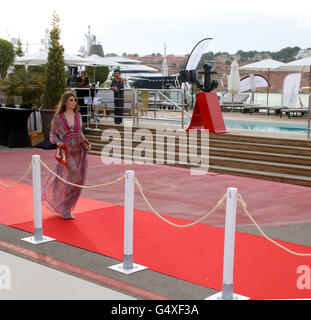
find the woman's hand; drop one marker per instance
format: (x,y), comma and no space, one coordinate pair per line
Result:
(60,144)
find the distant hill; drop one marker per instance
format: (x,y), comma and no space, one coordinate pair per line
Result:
(221,62)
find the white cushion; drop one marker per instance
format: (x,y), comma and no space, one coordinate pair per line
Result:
(237,98)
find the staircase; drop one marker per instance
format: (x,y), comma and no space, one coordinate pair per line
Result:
(276,159)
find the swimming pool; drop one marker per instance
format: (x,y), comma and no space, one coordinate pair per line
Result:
(266,126)
(251,125)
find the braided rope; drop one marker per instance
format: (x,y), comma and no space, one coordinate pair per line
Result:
(19,180)
(78,185)
(240,199)
(174,224)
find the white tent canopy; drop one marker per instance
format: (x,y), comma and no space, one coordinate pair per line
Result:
(95,60)
(39,58)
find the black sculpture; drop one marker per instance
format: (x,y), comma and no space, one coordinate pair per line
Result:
(190,76)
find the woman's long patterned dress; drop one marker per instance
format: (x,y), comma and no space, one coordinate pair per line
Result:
(57,196)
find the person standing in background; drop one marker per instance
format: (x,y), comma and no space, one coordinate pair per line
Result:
(117,86)
(83,81)
(82,84)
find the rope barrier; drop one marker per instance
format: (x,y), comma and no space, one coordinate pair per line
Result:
(174,224)
(240,199)
(19,180)
(78,185)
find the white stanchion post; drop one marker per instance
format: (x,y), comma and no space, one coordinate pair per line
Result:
(128,266)
(128,220)
(37,207)
(228,264)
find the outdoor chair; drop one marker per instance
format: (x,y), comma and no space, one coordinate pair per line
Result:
(256,107)
(106,105)
(239,101)
(293,112)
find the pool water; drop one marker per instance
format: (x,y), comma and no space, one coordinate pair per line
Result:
(266,126)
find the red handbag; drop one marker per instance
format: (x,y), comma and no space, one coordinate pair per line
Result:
(61,154)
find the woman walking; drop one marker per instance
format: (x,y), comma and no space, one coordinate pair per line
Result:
(72,147)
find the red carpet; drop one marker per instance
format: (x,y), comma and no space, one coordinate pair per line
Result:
(262,270)
(16,204)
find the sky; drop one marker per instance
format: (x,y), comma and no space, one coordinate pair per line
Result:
(143,27)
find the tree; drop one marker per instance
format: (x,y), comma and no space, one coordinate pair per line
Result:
(19,50)
(7,56)
(101,73)
(29,84)
(286,54)
(55,82)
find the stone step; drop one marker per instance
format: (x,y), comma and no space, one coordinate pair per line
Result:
(262,140)
(302,151)
(263,156)
(284,160)
(211,144)
(153,156)
(221,143)
(171,156)
(232,137)
(272,176)
(225,152)
(263,166)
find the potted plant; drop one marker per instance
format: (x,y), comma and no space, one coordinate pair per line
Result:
(27,84)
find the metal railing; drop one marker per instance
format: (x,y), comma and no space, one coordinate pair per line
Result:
(103,102)
(157,99)
(138,103)
(309,115)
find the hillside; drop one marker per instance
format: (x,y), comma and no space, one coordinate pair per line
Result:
(221,63)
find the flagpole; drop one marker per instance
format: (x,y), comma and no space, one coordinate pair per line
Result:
(268,86)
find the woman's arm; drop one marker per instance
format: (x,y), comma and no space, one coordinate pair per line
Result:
(85,143)
(54,138)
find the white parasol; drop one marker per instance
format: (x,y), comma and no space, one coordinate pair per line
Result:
(265,65)
(39,58)
(234,80)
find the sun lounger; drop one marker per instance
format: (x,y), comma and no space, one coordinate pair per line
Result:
(238,101)
(293,111)
(256,107)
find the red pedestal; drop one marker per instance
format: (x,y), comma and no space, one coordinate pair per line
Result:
(207,113)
